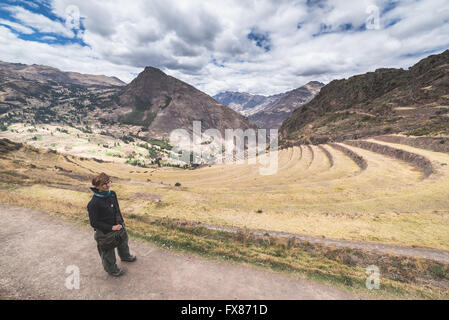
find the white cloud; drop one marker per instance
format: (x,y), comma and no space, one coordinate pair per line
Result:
(67,58)
(16,26)
(39,21)
(49,38)
(205,43)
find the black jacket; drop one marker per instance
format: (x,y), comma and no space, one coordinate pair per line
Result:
(104,212)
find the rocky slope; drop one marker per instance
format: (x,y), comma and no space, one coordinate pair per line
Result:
(413,101)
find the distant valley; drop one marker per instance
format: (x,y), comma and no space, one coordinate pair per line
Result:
(269,112)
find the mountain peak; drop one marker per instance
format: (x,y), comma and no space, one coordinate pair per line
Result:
(153,70)
(315,83)
(161,103)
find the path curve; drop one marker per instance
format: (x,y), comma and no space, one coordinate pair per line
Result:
(36,249)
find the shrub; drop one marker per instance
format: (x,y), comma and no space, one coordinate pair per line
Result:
(127,139)
(142,105)
(439,271)
(133,162)
(163,144)
(168,99)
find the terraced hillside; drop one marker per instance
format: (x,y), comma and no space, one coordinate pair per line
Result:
(380,197)
(320,190)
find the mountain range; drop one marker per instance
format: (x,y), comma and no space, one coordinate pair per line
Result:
(19,71)
(246,103)
(413,101)
(269,112)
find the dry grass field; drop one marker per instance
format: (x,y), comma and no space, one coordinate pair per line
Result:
(317,191)
(388,202)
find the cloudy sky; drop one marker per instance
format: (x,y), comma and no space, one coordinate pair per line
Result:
(257,46)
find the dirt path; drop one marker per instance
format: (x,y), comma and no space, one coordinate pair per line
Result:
(36,249)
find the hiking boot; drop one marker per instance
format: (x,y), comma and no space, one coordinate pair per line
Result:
(117,273)
(130,259)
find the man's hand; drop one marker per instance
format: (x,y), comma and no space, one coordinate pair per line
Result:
(117,227)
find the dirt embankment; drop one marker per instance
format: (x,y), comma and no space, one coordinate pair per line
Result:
(429,143)
(416,160)
(328,155)
(312,153)
(359,160)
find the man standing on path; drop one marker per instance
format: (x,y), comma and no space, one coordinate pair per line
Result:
(105,216)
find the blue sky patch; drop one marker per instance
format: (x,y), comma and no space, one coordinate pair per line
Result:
(392,22)
(316,3)
(324,28)
(388,7)
(262,40)
(215,62)
(424,53)
(345,27)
